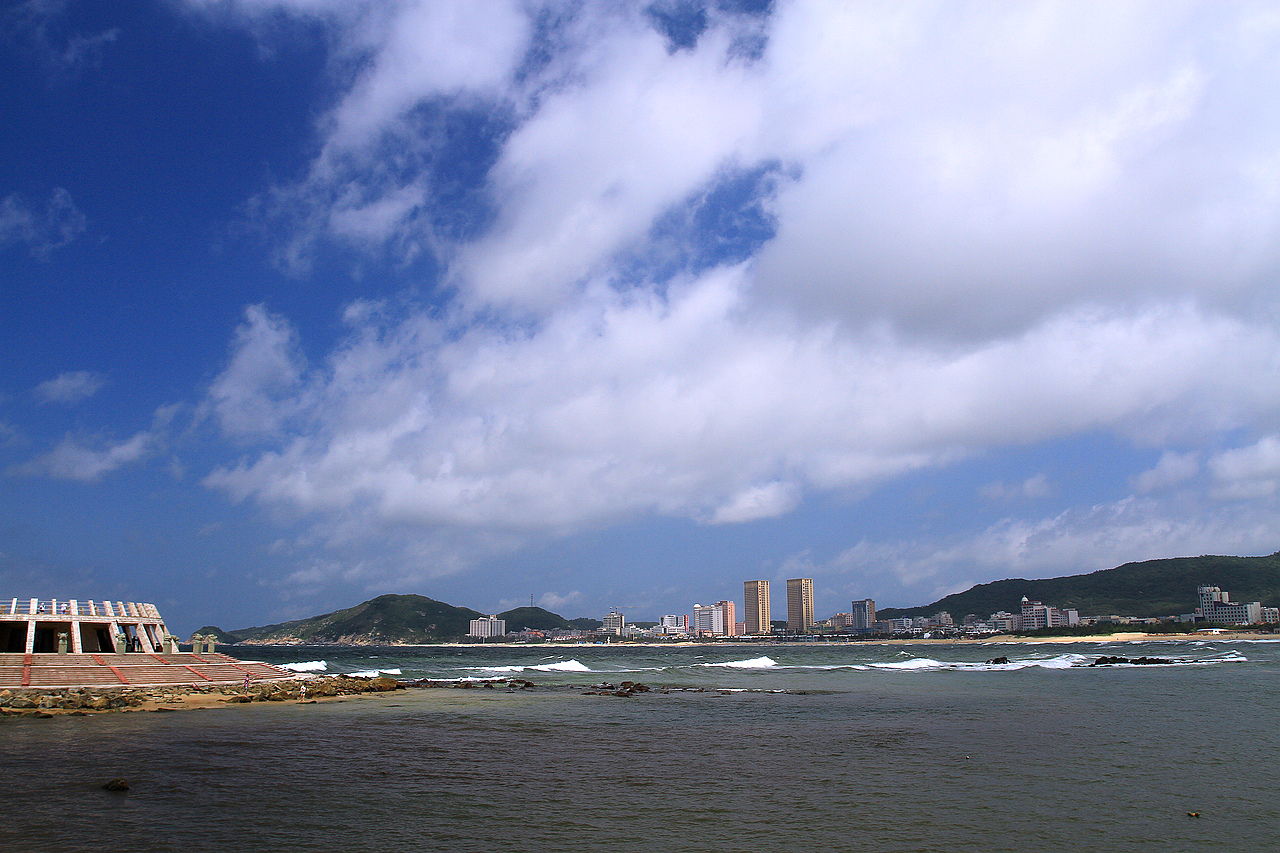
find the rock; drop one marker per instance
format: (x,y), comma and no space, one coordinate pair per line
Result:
(1110,660)
(384,683)
(116,784)
(99,703)
(21,702)
(998,661)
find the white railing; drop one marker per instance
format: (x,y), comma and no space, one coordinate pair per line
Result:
(74,607)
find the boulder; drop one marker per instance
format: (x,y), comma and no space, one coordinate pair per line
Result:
(384,683)
(116,784)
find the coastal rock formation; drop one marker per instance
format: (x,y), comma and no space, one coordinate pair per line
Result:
(34,702)
(1111,660)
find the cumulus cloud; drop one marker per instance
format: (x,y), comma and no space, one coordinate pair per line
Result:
(555,602)
(1172,469)
(1076,541)
(40,230)
(251,395)
(705,269)
(690,406)
(1246,472)
(70,387)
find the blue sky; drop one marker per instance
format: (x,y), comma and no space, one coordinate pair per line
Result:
(306,301)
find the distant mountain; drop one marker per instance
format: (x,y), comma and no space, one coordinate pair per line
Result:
(387,619)
(1149,588)
(218,634)
(533,618)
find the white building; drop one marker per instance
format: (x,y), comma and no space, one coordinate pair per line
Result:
(1216,606)
(673,624)
(488,626)
(1036,615)
(614,623)
(708,619)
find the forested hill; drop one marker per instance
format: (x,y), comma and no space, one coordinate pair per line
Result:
(387,619)
(1149,588)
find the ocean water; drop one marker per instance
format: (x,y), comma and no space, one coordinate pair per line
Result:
(857,747)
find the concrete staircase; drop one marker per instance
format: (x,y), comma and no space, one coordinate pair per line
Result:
(136,670)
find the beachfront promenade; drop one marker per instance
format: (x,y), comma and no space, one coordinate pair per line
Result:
(130,670)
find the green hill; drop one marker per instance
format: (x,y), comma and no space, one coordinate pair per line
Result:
(1149,588)
(386,619)
(533,618)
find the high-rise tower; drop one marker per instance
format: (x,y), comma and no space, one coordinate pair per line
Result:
(864,614)
(755,614)
(800,605)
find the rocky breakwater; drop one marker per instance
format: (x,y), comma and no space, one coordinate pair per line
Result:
(86,700)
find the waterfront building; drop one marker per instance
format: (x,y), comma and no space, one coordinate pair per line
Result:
(487,626)
(841,621)
(707,620)
(728,617)
(70,626)
(672,624)
(864,614)
(715,620)
(1003,622)
(756,613)
(800,605)
(1216,606)
(62,643)
(614,623)
(1036,615)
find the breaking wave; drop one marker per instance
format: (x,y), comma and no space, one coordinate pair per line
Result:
(306,666)
(753,663)
(374,673)
(561,666)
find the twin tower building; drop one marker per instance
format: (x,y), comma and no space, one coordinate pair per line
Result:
(756,615)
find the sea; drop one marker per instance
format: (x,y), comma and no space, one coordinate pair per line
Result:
(848,747)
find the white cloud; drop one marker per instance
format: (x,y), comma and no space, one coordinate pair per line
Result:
(70,387)
(249,397)
(1248,472)
(89,458)
(690,406)
(1172,469)
(1076,541)
(41,231)
(955,172)
(767,501)
(996,226)
(555,602)
(1037,486)
(74,459)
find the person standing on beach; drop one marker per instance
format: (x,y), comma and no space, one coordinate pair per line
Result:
(246,681)
(302,693)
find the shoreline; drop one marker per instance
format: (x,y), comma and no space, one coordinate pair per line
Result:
(92,701)
(1010,639)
